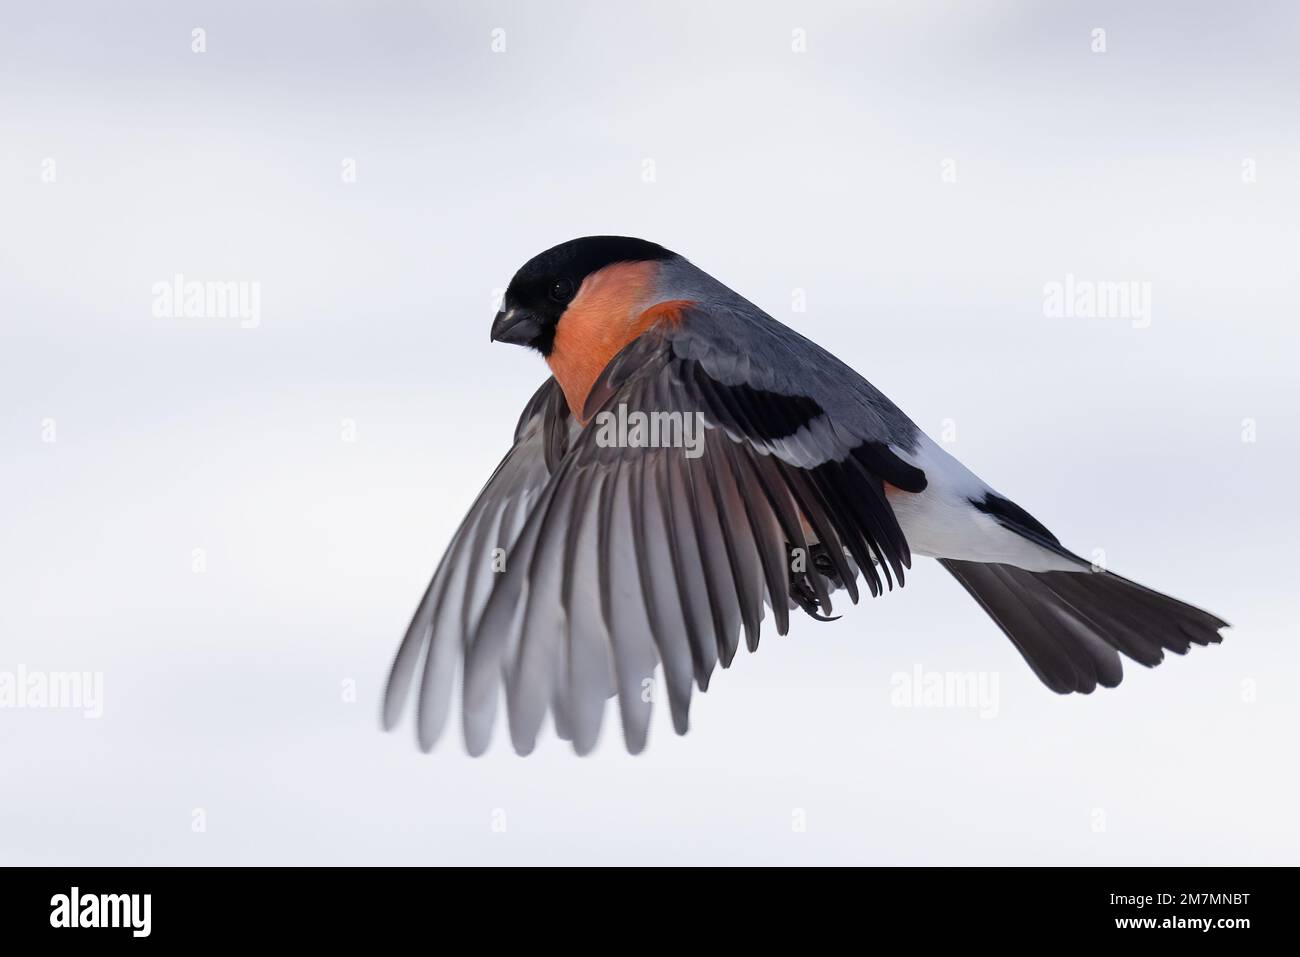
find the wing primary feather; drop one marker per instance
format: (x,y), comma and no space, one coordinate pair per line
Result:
(814,508)
(866,498)
(828,477)
(658,586)
(485,530)
(446,641)
(771,553)
(782,499)
(724,592)
(410,654)
(684,546)
(867,520)
(585,684)
(413,649)
(498,632)
(784,505)
(634,658)
(530,675)
(779,497)
(706,592)
(735,538)
(897,551)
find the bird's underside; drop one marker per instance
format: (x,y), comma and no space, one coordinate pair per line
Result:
(586,565)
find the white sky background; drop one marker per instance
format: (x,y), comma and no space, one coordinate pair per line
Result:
(774,171)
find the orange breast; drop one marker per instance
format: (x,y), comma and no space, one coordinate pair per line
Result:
(609,311)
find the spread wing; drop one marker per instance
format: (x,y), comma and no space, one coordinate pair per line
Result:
(658,548)
(454,600)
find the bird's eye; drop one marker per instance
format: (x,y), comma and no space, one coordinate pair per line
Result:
(561,290)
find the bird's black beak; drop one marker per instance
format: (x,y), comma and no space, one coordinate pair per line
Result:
(516,326)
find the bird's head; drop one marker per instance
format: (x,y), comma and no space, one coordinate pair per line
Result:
(595,271)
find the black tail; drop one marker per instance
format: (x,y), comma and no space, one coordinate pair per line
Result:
(1070,626)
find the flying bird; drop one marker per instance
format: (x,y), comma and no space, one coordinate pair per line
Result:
(690,465)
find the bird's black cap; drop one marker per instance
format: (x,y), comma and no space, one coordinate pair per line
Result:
(545,285)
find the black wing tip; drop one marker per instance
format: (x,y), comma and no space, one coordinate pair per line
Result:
(883,461)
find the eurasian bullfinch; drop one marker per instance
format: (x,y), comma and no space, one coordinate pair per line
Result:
(690,462)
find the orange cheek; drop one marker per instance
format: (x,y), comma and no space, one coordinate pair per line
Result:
(603,318)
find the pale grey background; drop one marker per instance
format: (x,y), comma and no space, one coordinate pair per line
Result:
(775,171)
